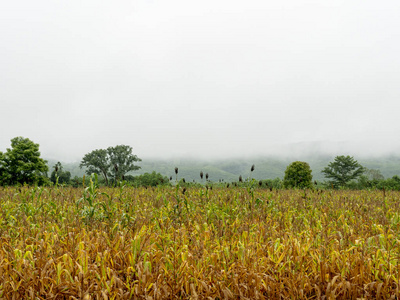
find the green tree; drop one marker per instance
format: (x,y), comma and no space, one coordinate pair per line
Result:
(22,163)
(298,175)
(96,162)
(3,171)
(63,176)
(121,161)
(373,174)
(113,161)
(390,183)
(342,170)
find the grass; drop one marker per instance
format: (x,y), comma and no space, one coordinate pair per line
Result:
(170,243)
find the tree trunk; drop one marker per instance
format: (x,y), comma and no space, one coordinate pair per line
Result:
(105,177)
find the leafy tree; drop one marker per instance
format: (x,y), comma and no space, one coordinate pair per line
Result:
(373,174)
(96,162)
(121,161)
(371,178)
(3,171)
(22,163)
(63,176)
(298,175)
(342,170)
(113,161)
(390,183)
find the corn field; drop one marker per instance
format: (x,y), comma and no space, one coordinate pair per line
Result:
(220,243)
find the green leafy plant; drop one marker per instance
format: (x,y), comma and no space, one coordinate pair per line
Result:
(90,205)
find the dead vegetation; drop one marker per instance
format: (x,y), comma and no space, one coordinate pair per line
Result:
(124,243)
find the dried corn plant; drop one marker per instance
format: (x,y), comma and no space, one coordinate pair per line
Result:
(140,245)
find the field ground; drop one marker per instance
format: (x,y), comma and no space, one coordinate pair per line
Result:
(170,243)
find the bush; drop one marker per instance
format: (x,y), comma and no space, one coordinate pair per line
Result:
(364,183)
(78,181)
(272,183)
(148,179)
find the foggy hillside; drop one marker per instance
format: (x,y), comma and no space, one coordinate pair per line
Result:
(230,169)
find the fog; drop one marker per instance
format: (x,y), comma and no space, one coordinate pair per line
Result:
(205,79)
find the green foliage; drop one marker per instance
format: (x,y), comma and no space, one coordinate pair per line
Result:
(366,183)
(59,175)
(80,181)
(273,183)
(373,174)
(21,164)
(3,170)
(88,205)
(390,183)
(96,162)
(121,161)
(298,175)
(342,170)
(147,179)
(113,161)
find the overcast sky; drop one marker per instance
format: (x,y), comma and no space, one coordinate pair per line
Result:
(206,78)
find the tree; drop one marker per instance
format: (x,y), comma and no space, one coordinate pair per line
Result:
(122,161)
(22,163)
(63,176)
(96,162)
(373,174)
(3,170)
(113,161)
(298,175)
(342,170)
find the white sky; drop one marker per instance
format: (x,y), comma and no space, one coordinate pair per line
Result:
(206,78)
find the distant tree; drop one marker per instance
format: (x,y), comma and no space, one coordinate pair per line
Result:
(64,177)
(22,163)
(274,183)
(298,175)
(122,161)
(79,181)
(113,161)
(76,181)
(390,183)
(96,162)
(373,174)
(149,179)
(342,170)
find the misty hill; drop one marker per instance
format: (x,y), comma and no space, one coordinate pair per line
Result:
(230,169)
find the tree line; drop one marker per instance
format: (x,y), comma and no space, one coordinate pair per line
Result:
(22,164)
(343,173)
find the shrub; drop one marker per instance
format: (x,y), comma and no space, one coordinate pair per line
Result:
(148,179)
